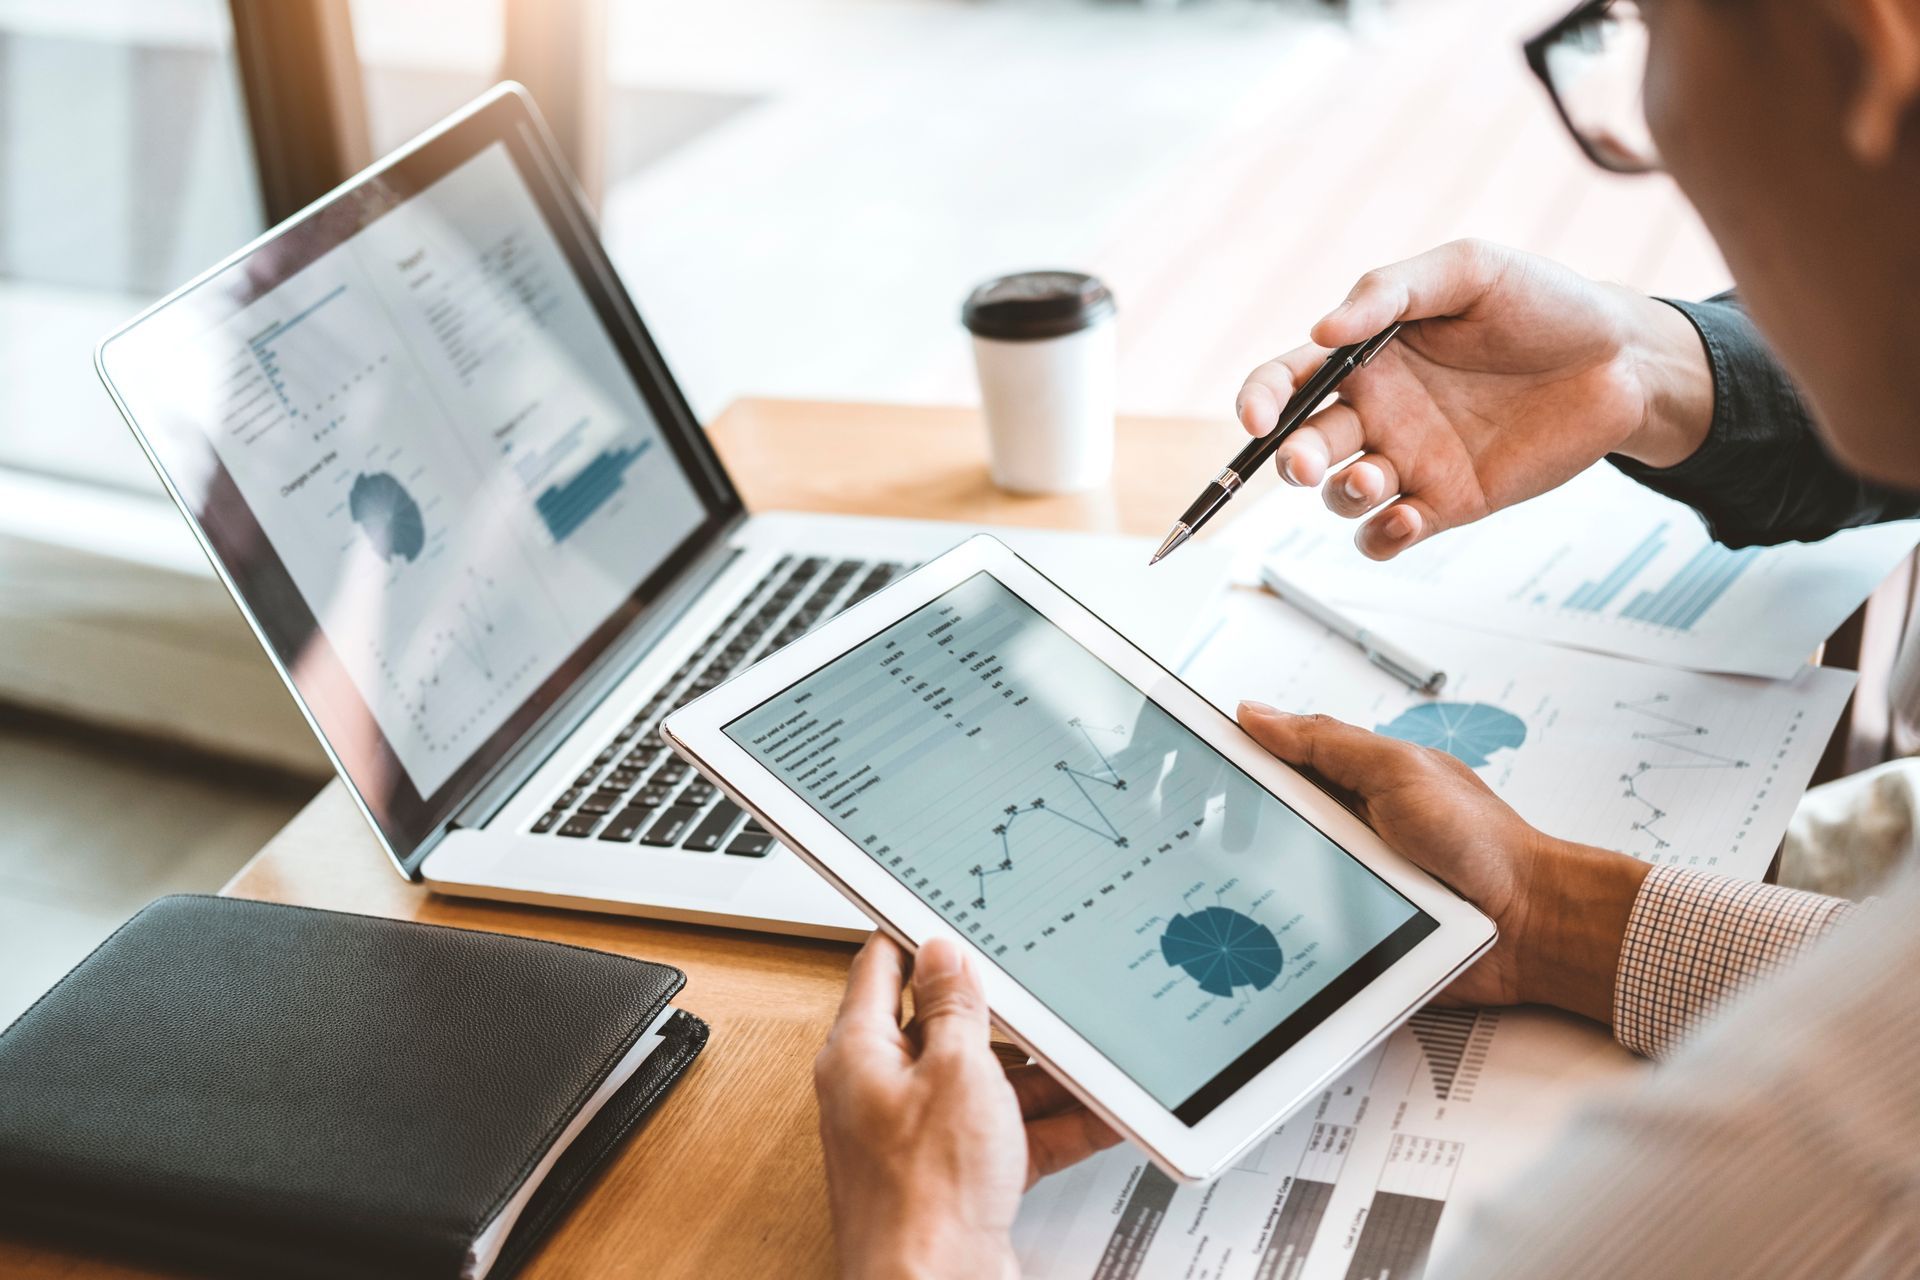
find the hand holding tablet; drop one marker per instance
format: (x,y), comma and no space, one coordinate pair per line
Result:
(1189,934)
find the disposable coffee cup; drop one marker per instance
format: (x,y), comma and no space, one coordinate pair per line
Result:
(1043,344)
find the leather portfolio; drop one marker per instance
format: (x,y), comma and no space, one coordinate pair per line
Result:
(269,1090)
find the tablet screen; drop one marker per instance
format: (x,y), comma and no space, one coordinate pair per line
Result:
(1180,917)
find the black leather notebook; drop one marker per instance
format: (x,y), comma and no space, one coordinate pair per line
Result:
(270,1090)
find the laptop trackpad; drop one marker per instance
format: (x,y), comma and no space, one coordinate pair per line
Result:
(593,868)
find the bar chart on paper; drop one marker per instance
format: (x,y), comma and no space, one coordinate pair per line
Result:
(1677,603)
(1602,564)
(1454,1043)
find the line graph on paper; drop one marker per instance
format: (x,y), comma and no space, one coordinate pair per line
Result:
(1677,749)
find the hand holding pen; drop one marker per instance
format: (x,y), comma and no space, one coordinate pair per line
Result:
(1420,676)
(1338,366)
(1513,376)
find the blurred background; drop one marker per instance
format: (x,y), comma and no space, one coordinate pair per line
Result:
(798,193)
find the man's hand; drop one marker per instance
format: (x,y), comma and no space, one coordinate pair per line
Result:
(1511,376)
(929,1143)
(1561,908)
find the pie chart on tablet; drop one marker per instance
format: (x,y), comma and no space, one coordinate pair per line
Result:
(1222,950)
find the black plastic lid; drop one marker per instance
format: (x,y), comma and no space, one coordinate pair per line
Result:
(1036,304)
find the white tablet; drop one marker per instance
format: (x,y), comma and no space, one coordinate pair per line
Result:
(1189,934)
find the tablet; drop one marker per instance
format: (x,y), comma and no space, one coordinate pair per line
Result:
(1192,936)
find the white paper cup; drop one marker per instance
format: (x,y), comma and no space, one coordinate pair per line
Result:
(1043,345)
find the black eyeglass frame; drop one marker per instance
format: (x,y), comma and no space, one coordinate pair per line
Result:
(1536,50)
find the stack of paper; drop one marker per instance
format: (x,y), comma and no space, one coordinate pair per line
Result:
(1577,632)
(1359,1184)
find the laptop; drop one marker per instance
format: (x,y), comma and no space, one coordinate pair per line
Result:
(431,449)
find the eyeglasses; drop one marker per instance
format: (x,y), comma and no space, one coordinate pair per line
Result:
(1594,64)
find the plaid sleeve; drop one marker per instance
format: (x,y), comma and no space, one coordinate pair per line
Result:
(1693,940)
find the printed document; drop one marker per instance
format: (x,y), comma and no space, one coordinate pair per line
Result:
(1674,767)
(1355,1186)
(1601,563)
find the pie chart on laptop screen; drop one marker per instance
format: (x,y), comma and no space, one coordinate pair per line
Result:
(387,516)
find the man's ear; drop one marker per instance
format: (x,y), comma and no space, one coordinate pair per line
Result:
(1887,35)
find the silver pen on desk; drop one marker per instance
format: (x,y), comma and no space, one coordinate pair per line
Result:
(1422,677)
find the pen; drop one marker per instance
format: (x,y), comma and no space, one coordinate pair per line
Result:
(1331,373)
(1422,677)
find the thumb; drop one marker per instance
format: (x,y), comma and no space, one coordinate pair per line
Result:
(1345,755)
(948,1004)
(1440,282)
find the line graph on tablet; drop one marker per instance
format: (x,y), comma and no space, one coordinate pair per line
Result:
(1105,777)
(1075,831)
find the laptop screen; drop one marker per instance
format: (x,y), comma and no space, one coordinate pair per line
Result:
(429,463)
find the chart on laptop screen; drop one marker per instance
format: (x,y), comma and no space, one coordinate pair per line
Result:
(447,453)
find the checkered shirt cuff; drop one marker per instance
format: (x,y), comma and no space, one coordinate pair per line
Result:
(1695,940)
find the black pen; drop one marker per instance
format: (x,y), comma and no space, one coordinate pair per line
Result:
(1325,380)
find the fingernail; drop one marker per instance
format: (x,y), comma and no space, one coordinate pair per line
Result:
(1249,708)
(1286,469)
(1403,524)
(938,958)
(1351,487)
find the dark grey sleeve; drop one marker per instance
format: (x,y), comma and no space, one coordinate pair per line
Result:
(1762,476)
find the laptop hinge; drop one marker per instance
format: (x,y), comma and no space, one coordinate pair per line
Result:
(553,729)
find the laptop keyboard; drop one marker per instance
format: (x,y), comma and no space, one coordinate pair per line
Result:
(637,791)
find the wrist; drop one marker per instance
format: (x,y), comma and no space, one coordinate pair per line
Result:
(904,1252)
(1575,926)
(1667,359)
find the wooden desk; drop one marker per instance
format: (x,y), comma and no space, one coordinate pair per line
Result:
(726,1178)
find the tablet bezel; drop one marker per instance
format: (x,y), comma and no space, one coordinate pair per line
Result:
(1188,1152)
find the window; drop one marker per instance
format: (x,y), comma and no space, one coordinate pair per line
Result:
(147,180)
(423,59)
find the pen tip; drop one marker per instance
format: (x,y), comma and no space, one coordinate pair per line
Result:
(1179,535)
